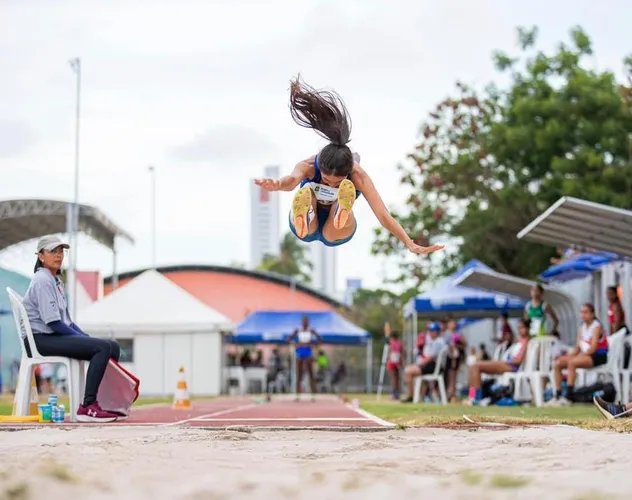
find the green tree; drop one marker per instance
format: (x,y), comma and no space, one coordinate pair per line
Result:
(372,308)
(291,261)
(489,161)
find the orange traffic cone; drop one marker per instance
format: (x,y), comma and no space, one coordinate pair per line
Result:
(181,400)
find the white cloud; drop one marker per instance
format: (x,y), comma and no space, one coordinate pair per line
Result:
(232,144)
(15,138)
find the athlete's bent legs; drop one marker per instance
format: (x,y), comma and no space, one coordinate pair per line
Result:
(303,215)
(341,223)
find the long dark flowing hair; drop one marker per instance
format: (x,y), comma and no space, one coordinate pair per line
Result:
(325,112)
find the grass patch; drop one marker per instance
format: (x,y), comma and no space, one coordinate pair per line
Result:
(59,471)
(405,415)
(19,491)
(318,477)
(592,495)
(504,481)
(471,477)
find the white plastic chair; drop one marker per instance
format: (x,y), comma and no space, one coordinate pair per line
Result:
(545,367)
(235,373)
(75,368)
(614,366)
(527,372)
(435,376)
(256,374)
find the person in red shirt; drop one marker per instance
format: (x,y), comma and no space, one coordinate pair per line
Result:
(616,315)
(394,363)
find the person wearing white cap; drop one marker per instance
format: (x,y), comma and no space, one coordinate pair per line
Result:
(54,332)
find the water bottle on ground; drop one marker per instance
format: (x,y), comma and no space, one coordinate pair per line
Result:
(59,414)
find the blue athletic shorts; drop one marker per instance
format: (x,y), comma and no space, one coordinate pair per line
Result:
(321,214)
(303,352)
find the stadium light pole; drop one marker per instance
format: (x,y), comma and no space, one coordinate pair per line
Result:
(152,172)
(75,65)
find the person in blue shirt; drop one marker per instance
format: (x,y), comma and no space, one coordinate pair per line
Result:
(54,332)
(331,181)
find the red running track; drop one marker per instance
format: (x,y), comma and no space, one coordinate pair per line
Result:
(281,412)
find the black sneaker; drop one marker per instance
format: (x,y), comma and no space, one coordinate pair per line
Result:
(611,410)
(407,400)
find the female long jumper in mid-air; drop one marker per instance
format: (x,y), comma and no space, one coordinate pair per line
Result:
(331,181)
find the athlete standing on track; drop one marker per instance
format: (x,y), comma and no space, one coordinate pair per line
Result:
(305,338)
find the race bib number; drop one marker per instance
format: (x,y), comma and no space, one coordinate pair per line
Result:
(395,357)
(536,325)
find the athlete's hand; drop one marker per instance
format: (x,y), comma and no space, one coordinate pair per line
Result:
(418,249)
(268,184)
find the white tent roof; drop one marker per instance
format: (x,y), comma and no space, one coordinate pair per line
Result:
(151,303)
(582,224)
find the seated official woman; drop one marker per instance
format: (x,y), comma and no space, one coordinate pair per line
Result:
(56,335)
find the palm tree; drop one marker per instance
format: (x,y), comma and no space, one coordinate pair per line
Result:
(291,261)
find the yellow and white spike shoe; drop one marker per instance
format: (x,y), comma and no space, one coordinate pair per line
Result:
(346,199)
(302,211)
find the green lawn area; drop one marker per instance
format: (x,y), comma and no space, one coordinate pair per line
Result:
(582,415)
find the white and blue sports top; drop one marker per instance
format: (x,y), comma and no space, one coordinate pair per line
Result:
(325,195)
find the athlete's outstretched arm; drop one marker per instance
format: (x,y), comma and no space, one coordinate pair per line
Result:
(303,170)
(364,183)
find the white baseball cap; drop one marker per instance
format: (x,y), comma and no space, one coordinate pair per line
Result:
(49,243)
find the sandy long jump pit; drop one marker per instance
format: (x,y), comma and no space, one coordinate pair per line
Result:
(175,462)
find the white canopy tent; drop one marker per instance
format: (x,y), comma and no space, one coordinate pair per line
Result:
(162,327)
(564,305)
(583,225)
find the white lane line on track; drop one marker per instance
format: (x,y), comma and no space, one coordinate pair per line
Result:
(214,414)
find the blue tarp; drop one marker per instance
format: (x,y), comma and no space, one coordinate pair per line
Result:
(578,267)
(447,297)
(274,327)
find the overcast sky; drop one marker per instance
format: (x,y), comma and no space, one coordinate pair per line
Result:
(200,90)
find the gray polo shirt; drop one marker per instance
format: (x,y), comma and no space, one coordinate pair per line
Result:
(45,301)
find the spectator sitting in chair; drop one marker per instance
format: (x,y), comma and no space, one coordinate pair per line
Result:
(54,332)
(426,362)
(591,351)
(511,360)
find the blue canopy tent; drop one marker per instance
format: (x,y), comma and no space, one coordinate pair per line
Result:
(275,327)
(578,267)
(458,301)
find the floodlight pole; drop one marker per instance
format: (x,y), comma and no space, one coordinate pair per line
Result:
(152,172)
(75,64)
